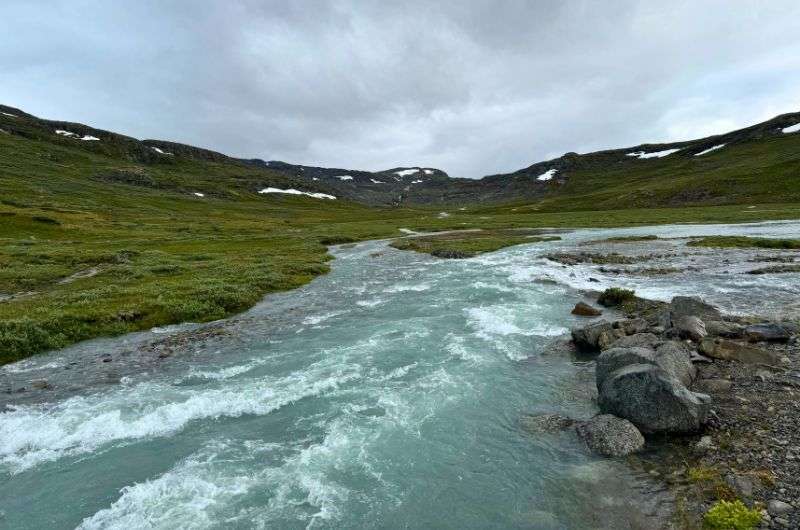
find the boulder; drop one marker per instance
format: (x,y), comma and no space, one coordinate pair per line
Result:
(689,327)
(652,400)
(631,326)
(767,332)
(720,328)
(675,359)
(586,338)
(671,357)
(729,350)
(609,435)
(639,340)
(585,310)
(547,423)
(607,338)
(613,359)
(692,306)
(777,508)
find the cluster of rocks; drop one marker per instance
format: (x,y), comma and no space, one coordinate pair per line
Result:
(646,370)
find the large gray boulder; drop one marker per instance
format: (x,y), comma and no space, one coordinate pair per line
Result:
(721,328)
(609,435)
(671,357)
(689,327)
(675,359)
(729,350)
(587,338)
(692,306)
(631,326)
(652,400)
(639,340)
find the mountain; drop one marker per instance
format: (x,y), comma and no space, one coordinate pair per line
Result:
(760,163)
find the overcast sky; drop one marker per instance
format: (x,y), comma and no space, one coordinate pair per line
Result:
(471,87)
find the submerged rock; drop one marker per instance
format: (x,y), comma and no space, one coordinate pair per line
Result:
(729,350)
(609,435)
(585,310)
(549,423)
(652,400)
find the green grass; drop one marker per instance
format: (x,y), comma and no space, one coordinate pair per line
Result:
(467,244)
(162,255)
(731,515)
(745,242)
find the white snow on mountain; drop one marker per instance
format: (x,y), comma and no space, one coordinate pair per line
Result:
(547,175)
(293,191)
(658,154)
(710,149)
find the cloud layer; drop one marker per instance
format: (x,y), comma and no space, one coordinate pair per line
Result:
(472,87)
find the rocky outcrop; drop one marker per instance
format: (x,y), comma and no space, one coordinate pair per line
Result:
(652,400)
(767,332)
(681,306)
(721,328)
(639,340)
(689,327)
(608,435)
(729,350)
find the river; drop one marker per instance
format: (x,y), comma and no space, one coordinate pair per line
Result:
(386,394)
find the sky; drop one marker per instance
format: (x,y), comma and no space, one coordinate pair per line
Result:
(473,87)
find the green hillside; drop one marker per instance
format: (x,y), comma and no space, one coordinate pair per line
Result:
(101,237)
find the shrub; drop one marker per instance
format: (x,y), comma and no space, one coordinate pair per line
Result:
(733,515)
(337,240)
(615,297)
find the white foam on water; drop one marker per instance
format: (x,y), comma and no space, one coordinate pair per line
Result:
(401,288)
(30,435)
(370,303)
(313,320)
(28,365)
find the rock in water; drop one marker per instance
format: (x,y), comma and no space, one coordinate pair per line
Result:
(549,423)
(729,350)
(689,327)
(609,435)
(586,339)
(652,400)
(585,310)
(767,332)
(670,357)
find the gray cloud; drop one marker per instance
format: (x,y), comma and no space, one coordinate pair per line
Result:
(473,87)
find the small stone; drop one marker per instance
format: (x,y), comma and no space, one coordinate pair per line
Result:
(41,384)
(777,507)
(705,444)
(609,435)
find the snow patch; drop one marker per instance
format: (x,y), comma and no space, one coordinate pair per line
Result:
(428,171)
(658,154)
(344,177)
(547,175)
(415,181)
(442,215)
(791,129)
(160,152)
(293,191)
(198,194)
(69,134)
(407,172)
(377,181)
(701,153)
(10,115)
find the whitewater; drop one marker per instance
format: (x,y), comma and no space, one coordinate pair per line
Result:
(386,394)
